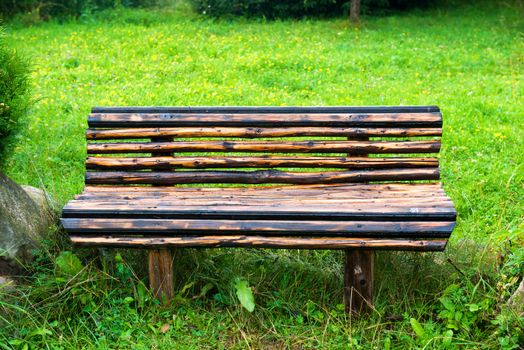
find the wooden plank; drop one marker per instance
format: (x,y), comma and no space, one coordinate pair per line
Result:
(353,147)
(277,202)
(259,176)
(370,191)
(253,132)
(258,242)
(379,189)
(419,229)
(140,163)
(267,109)
(392,214)
(363,211)
(138,207)
(329,191)
(384,201)
(126,120)
(270,198)
(202,197)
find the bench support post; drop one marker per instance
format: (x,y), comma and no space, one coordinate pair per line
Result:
(161,274)
(161,260)
(358,271)
(358,281)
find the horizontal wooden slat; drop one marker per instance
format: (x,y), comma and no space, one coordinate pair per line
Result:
(419,229)
(128,120)
(250,202)
(199,213)
(307,190)
(284,203)
(267,109)
(347,192)
(259,242)
(260,162)
(390,191)
(247,132)
(441,210)
(258,177)
(379,202)
(384,202)
(126,195)
(353,147)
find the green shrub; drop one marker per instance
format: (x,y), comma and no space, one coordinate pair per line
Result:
(14,88)
(40,9)
(268,8)
(298,8)
(384,6)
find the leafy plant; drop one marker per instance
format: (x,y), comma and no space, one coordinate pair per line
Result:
(418,329)
(460,311)
(14,88)
(69,264)
(245,295)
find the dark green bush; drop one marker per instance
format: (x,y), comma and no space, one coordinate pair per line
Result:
(41,9)
(14,88)
(268,8)
(384,6)
(298,8)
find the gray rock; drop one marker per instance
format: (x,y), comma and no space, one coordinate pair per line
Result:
(24,222)
(7,283)
(41,199)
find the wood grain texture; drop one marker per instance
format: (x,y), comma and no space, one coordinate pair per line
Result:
(358,280)
(274,210)
(320,189)
(212,198)
(353,147)
(259,176)
(254,132)
(139,163)
(390,191)
(351,194)
(161,274)
(258,242)
(283,202)
(431,119)
(419,229)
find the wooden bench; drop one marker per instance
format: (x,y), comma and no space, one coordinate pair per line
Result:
(352,178)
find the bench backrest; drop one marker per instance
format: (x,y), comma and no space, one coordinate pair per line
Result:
(255,145)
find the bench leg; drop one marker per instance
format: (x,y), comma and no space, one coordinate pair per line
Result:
(161,274)
(358,281)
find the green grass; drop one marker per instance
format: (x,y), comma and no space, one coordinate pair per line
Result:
(468,60)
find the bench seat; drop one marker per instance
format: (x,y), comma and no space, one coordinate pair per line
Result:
(367,216)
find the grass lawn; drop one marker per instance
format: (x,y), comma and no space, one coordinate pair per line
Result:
(469,60)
